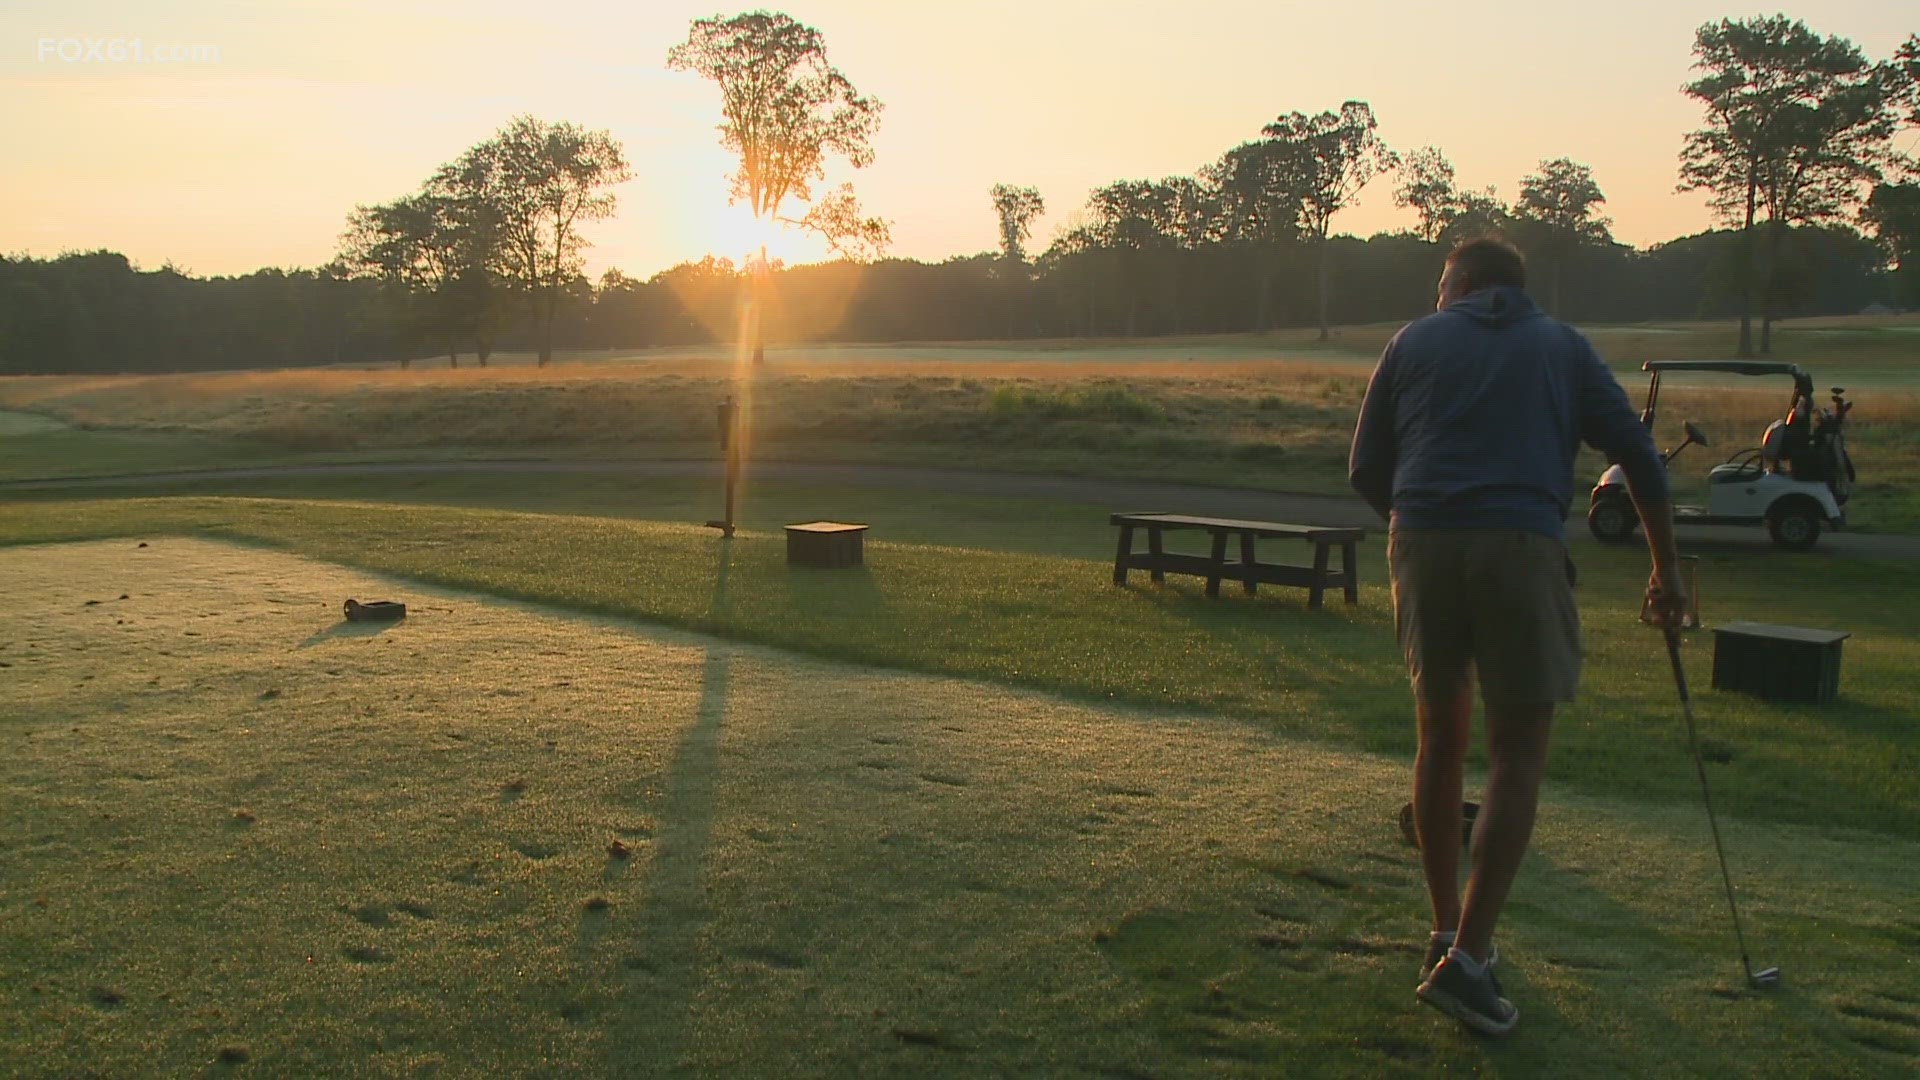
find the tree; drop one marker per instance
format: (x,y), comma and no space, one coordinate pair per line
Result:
(1906,74)
(1426,186)
(1256,200)
(1893,212)
(1329,158)
(1448,213)
(531,187)
(433,258)
(1556,214)
(783,110)
(1131,222)
(1797,125)
(1016,208)
(1476,214)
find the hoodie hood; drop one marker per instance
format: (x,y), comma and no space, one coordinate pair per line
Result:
(1502,305)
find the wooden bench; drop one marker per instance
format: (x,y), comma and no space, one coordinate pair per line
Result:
(1250,572)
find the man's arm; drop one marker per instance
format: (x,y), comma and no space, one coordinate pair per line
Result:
(1371,461)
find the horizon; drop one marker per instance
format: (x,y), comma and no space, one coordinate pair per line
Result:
(249,150)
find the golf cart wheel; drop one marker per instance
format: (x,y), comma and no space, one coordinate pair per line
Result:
(1613,520)
(1795,526)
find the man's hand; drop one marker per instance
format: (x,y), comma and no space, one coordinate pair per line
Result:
(1667,598)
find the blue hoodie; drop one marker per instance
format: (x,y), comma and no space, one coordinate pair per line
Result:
(1474,413)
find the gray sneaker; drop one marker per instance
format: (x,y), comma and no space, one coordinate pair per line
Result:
(1473,1000)
(1437,951)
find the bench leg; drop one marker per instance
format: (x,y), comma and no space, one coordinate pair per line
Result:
(1120,556)
(1153,546)
(1219,563)
(1246,560)
(1321,552)
(1352,567)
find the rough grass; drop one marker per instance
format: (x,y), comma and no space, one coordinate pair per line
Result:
(490,840)
(1272,411)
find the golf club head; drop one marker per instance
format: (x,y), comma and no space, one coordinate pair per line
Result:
(1764,979)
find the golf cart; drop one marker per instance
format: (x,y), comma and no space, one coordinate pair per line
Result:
(1796,481)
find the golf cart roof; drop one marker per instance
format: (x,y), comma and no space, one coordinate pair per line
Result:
(1732,367)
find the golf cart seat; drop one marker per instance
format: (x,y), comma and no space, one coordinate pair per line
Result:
(1736,472)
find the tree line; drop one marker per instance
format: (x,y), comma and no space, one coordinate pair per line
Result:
(1820,214)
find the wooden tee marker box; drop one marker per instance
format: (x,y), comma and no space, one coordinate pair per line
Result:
(1785,663)
(828,544)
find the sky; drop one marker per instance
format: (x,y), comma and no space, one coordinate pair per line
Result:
(236,135)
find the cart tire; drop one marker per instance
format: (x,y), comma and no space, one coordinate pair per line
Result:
(1612,519)
(1794,524)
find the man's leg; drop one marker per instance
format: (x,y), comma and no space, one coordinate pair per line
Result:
(1443,720)
(1430,622)
(1517,759)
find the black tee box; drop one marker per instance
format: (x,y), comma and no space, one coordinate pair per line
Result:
(1785,663)
(829,544)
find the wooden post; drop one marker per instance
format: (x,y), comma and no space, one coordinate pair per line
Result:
(1219,562)
(1158,573)
(1351,567)
(729,415)
(1322,550)
(1246,562)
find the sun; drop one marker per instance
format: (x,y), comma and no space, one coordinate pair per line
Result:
(733,233)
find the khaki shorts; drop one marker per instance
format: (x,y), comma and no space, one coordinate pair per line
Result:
(1498,601)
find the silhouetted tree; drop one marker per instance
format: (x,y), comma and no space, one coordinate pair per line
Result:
(1016,207)
(1797,125)
(1480,213)
(1256,197)
(1555,214)
(1906,73)
(1893,212)
(1427,188)
(534,184)
(433,256)
(1330,157)
(783,109)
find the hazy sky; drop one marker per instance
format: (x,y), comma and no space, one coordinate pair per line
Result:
(254,156)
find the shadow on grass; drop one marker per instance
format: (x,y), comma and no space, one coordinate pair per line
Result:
(346,628)
(663,969)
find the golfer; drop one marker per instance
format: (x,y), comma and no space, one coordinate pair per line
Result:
(1465,444)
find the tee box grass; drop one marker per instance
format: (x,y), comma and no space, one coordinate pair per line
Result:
(980,813)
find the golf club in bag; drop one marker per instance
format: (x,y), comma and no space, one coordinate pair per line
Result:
(1768,978)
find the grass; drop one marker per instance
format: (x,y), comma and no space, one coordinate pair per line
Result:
(1260,411)
(979,814)
(490,838)
(1052,623)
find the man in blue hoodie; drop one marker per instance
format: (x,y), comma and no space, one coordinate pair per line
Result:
(1465,444)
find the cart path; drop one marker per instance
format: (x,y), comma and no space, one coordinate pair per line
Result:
(1116,494)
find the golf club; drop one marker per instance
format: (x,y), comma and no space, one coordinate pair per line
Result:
(1768,978)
